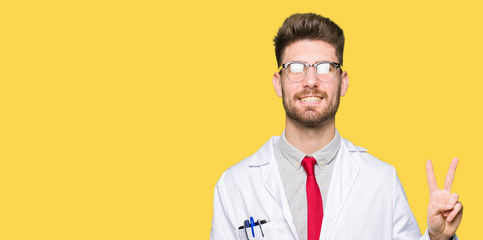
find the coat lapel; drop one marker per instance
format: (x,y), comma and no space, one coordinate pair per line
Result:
(272,181)
(344,175)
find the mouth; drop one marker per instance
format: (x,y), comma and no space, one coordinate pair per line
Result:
(310,99)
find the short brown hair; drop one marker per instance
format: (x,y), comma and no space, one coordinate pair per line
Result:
(309,26)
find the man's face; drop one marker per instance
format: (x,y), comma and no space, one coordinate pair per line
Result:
(310,102)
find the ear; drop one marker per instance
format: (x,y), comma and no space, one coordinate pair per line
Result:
(344,82)
(277,84)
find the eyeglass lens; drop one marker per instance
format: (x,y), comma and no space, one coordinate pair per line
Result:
(324,71)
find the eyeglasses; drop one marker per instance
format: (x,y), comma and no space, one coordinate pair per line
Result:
(296,71)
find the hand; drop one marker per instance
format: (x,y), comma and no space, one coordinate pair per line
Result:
(444,209)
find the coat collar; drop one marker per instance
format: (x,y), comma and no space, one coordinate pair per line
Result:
(265,154)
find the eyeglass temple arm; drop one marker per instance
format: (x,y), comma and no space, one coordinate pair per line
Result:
(280,68)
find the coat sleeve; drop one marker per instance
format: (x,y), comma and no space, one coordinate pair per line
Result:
(404,223)
(221,227)
(426,236)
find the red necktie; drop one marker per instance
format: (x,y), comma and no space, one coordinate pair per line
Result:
(315,211)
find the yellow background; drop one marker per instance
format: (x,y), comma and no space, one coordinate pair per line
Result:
(118,117)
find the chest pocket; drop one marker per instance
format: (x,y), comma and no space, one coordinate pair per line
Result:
(253,229)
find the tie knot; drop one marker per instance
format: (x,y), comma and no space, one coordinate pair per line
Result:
(308,164)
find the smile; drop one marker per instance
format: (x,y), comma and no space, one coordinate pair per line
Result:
(311,99)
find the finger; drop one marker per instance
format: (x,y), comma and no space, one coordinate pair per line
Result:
(432,184)
(453,199)
(456,210)
(450,175)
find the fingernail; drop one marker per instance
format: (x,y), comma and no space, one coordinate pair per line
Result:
(449,205)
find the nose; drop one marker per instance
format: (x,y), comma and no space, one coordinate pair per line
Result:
(311,80)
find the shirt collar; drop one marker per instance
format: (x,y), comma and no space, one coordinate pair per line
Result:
(322,156)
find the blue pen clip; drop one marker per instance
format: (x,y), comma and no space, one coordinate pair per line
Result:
(252,224)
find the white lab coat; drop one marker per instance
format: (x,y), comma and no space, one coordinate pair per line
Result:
(365,199)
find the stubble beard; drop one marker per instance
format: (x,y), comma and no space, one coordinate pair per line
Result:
(308,115)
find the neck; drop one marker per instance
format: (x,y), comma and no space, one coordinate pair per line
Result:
(309,139)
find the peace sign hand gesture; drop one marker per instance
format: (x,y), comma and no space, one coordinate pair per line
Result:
(444,209)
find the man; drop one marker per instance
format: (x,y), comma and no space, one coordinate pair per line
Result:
(310,183)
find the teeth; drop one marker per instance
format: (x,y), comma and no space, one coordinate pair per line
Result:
(311,99)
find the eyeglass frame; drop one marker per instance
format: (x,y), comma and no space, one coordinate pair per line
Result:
(308,65)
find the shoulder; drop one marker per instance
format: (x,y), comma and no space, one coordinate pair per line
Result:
(238,171)
(250,166)
(365,160)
